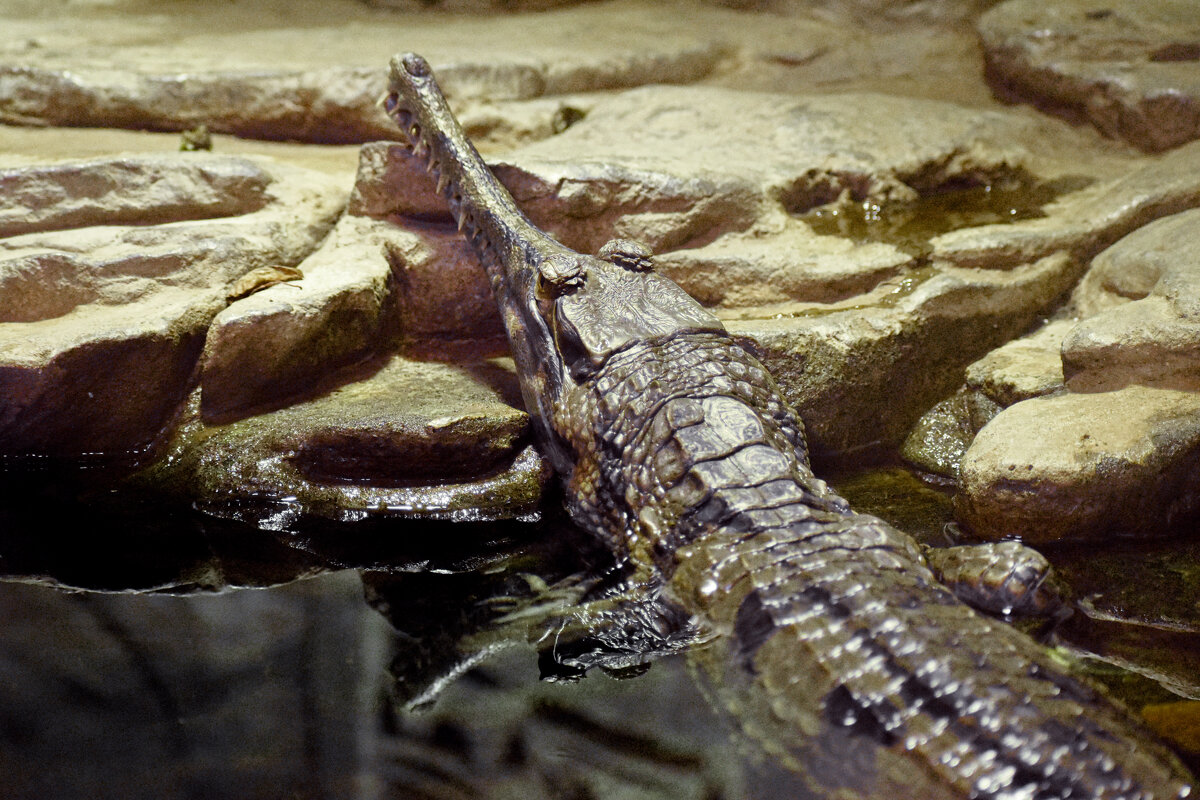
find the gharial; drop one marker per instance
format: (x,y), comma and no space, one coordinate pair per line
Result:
(837,648)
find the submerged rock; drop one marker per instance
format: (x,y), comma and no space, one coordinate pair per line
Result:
(943,433)
(1127,66)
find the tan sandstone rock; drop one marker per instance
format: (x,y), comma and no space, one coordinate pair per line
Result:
(402,436)
(1130,67)
(1017,370)
(1023,368)
(102,324)
(1145,295)
(255,72)
(1121,197)
(1084,466)
(863,337)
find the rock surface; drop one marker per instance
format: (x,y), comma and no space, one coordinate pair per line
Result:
(1084,221)
(840,319)
(869,246)
(839,184)
(281,342)
(103,322)
(1130,67)
(1023,368)
(264,78)
(1084,466)
(1142,298)
(1121,456)
(401,437)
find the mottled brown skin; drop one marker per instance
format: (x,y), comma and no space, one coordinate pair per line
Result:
(837,649)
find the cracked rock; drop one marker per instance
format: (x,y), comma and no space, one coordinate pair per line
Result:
(103,321)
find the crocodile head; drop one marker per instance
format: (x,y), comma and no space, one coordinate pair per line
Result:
(574,311)
(595,306)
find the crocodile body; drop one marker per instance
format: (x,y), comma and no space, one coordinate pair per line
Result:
(837,649)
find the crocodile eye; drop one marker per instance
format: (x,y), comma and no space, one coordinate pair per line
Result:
(559,273)
(629,254)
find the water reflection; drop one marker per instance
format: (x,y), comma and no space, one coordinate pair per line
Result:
(209,658)
(244,694)
(286,693)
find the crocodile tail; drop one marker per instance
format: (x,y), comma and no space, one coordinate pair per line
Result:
(848,661)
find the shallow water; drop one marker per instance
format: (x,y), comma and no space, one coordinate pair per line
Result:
(149,651)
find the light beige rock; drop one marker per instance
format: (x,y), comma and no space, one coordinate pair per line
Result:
(863,371)
(1145,295)
(99,382)
(869,12)
(863,340)
(283,341)
(442,291)
(1130,67)
(102,325)
(258,72)
(391,181)
(802,151)
(403,437)
(1017,370)
(779,260)
(472,6)
(1084,466)
(1023,368)
(123,190)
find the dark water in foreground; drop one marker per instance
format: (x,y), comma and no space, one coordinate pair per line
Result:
(209,658)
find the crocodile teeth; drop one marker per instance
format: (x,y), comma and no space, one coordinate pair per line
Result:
(419,147)
(442,182)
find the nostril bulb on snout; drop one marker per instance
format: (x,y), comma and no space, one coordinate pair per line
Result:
(415,65)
